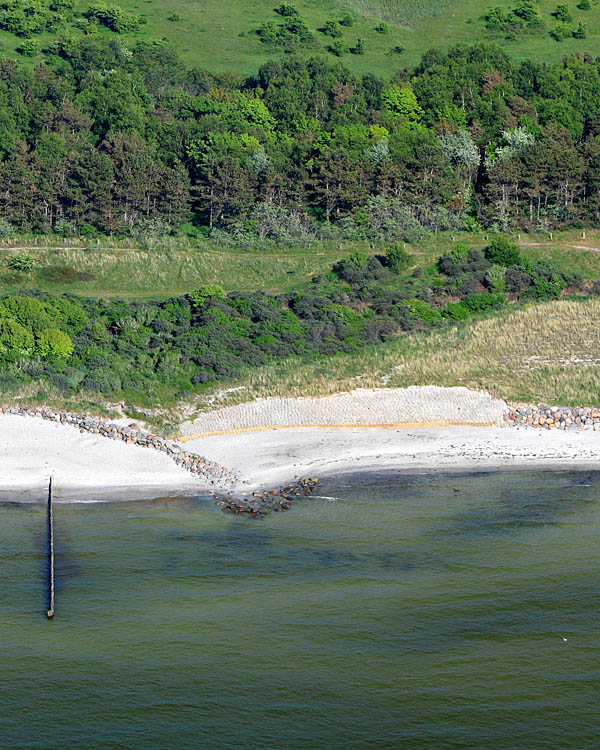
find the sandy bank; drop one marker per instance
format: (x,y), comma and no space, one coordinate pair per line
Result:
(84,466)
(271,457)
(383,406)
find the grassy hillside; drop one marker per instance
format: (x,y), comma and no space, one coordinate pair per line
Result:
(130,272)
(547,352)
(221,36)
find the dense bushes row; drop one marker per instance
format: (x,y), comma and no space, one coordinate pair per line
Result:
(175,346)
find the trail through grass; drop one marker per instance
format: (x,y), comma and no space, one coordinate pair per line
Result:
(111,269)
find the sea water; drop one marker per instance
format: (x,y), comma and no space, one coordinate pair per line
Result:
(387,611)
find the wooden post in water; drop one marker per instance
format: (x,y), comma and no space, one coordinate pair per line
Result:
(50,612)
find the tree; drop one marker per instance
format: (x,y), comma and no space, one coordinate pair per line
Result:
(401,101)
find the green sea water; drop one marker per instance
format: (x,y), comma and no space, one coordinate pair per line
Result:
(387,612)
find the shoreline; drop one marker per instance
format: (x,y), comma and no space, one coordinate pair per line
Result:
(274,457)
(255,448)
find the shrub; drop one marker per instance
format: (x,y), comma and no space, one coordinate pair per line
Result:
(347,20)
(397,259)
(52,342)
(15,340)
(23,262)
(561,32)
(421,310)
(516,280)
(485,301)
(544,289)
(584,5)
(339,48)
(332,29)
(562,13)
(580,32)
(502,252)
(456,311)
(199,296)
(359,47)
(286,10)
(495,278)
(112,16)
(30,48)
(382,28)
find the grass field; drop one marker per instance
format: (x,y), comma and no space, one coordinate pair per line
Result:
(220,36)
(110,270)
(548,352)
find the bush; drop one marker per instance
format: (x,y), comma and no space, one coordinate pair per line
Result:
(456,311)
(584,5)
(544,289)
(359,47)
(52,342)
(198,297)
(495,278)
(332,29)
(502,252)
(30,48)
(347,20)
(562,13)
(485,301)
(561,32)
(286,10)
(23,262)
(421,310)
(397,259)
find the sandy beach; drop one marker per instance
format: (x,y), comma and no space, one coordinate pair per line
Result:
(87,467)
(84,467)
(268,458)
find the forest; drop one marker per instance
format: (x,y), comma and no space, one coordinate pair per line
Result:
(104,139)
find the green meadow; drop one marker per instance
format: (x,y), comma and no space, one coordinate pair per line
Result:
(222,36)
(122,269)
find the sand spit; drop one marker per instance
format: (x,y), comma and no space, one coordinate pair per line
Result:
(384,406)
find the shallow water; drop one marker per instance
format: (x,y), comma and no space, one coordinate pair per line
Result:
(408,612)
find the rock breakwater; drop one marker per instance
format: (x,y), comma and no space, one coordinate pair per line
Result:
(210,472)
(554,417)
(260,504)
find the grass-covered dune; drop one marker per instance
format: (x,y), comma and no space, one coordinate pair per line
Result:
(548,352)
(330,332)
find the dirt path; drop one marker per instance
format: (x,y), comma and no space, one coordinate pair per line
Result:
(554,244)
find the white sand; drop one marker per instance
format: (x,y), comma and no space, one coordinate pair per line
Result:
(84,467)
(271,457)
(382,406)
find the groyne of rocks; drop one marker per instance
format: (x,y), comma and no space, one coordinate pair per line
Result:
(554,417)
(210,472)
(260,504)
